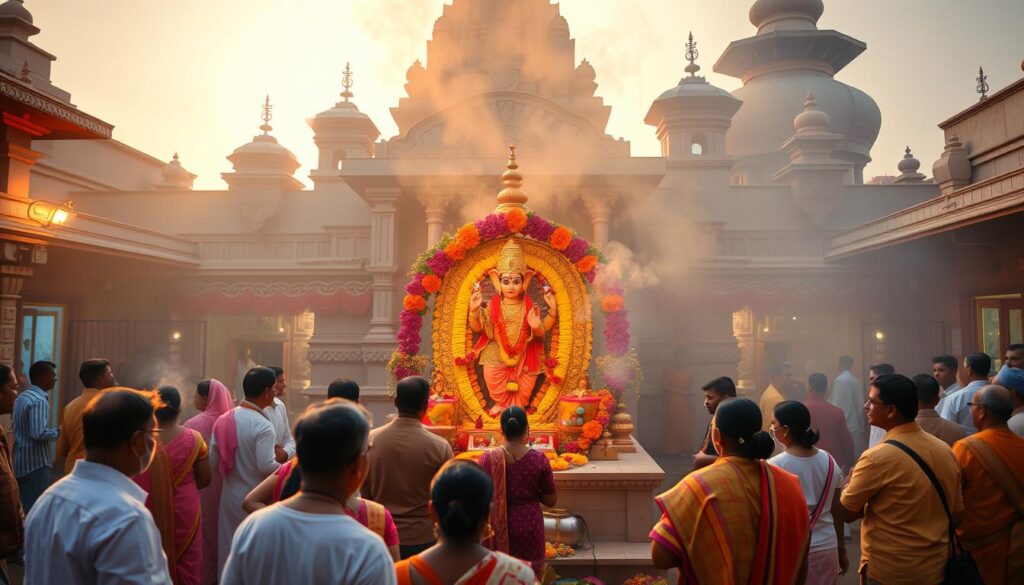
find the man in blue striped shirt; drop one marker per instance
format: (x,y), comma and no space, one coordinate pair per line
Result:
(33,435)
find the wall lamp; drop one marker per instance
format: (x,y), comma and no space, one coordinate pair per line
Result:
(47,213)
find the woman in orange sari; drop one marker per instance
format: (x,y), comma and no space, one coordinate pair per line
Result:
(738,521)
(180,469)
(460,504)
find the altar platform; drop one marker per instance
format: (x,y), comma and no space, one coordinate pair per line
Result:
(616,500)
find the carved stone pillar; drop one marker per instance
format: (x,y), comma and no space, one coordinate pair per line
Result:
(743,330)
(599,206)
(381,265)
(434,205)
(12,278)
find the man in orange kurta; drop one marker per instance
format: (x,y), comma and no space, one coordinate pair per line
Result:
(993,464)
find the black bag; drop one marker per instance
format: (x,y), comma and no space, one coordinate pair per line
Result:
(960,566)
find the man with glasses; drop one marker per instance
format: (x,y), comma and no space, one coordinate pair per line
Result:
(905,532)
(92,526)
(992,461)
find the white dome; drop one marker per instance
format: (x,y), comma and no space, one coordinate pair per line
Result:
(263,144)
(771,102)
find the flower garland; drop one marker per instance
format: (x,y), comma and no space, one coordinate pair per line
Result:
(431,266)
(592,430)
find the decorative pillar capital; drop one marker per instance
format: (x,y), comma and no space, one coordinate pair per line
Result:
(599,206)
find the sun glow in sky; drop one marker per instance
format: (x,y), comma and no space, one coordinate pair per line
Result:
(189,76)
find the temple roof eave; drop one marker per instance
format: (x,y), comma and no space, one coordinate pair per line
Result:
(832,49)
(62,121)
(978,202)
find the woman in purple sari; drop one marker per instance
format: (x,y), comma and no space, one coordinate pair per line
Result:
(212,399)
(522,482)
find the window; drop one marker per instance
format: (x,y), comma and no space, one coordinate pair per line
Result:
(1000,321)
(696,149)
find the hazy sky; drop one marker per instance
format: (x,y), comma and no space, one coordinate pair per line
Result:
(190,75)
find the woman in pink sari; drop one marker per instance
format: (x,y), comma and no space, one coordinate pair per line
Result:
(522,482)
(180,467)
(212,399)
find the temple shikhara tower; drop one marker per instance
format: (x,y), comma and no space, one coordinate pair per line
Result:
(752,240)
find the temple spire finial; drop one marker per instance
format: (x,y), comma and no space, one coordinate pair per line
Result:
(346,82)
(691,55)
(512,195)
(266,116)
(982,80)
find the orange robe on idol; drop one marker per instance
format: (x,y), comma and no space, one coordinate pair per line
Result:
(510,355)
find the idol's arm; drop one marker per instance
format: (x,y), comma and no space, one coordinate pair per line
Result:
(474,321)
(550,320)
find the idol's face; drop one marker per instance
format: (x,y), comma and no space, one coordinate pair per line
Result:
(511,285)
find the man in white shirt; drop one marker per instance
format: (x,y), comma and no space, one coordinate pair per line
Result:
(944,369)
(848,395)
(956,406)
(242,450)
(284,448)
(325,544)
(92,526)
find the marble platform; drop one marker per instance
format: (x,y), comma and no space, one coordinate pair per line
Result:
(616,500)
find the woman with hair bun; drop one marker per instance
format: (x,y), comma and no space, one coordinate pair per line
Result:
(522,482)
(821,479)
(180,468)
(460,505)
(738,520)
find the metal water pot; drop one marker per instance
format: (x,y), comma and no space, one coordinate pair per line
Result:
(561,527)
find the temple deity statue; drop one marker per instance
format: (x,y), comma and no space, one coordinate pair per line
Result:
(511,341)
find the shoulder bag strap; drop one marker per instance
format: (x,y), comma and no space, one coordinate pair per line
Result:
(820,507)
(935,484)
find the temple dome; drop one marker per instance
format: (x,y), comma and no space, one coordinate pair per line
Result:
(15,9)
(787,58)
(769,15)
(263,144)
(174,176)
(772,103)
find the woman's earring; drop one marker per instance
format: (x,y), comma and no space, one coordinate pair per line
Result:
(488,532)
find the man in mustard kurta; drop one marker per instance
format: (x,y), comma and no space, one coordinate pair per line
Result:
(95,375)
(992,463)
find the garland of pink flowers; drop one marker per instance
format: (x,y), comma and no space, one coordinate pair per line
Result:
(620,368)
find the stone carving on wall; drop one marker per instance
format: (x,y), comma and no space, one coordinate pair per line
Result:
(348,356)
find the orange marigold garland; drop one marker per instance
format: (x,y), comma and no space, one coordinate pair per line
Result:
(455,251)
(431,283)
(414,303)
(612,303)
(560,238)
(586,263)
(468,237)
(516,219)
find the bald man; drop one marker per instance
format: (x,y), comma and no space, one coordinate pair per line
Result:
(992,461)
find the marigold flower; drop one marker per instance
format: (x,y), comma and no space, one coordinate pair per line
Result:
(612,303)
(560,238)
(431,283)
(516,219)
(468,237)
(586,263)
(455,251)
(414,303)
(592,430)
